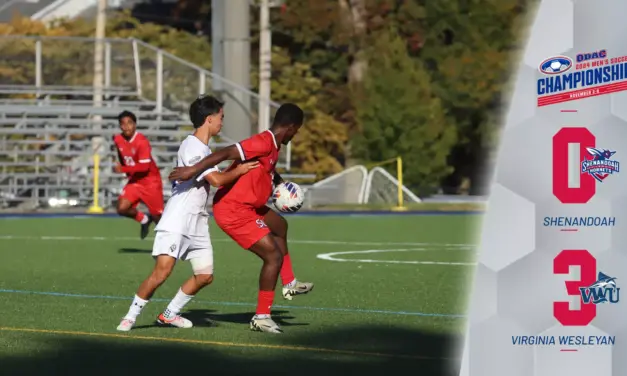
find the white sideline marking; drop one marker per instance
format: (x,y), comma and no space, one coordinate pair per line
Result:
(330,257)
(330,242)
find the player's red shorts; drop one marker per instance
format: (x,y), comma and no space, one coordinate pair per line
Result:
(150,194)
(244,224)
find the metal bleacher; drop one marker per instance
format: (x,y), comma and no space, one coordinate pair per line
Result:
(49,127)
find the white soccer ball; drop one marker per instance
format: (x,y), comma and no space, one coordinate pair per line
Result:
(288,197)
(556,66)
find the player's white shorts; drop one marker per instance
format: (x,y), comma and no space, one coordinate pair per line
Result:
(197,249)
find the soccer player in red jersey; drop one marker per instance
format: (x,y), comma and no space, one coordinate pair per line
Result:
(144,180)
(240,209)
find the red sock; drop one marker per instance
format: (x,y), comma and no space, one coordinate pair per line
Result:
(264,302)
(287,273)
(139,217)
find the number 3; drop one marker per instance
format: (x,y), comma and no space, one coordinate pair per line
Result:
(588,266)
(587,185)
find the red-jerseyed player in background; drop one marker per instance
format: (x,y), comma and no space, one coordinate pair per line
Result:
(240,209)
(144,180)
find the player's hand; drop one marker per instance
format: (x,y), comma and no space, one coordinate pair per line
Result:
(246,166)
(117,168)
(182,173)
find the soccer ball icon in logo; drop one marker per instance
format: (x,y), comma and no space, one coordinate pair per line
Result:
(288,197)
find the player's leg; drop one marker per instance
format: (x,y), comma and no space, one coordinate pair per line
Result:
(269,252)
(166,249)
(200,257)
(163,267)
(152,197)
(278,226)
(127,206)
(248,229)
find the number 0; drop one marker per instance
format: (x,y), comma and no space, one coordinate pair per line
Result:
(588,266)
(587,185)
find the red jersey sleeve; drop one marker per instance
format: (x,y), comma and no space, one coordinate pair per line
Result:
(143,158)
(256,146)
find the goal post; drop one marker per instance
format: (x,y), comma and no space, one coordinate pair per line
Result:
(383,188)
(96,208)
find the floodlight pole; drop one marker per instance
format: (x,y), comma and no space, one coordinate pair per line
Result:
(265,60)
(265,65)
(97,142)
(101,20)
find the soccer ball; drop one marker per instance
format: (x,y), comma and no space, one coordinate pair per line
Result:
(556,66)
(288,197)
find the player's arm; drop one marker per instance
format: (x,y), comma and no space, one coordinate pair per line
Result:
(251,148)
(277,179)
(144,158)
(207,163)
(219,178)
(118,165)
(117,151)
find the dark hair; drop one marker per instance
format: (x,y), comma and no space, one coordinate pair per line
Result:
(288,114)
(124,114)
(203,106)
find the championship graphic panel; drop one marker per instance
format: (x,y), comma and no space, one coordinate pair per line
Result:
(553,251)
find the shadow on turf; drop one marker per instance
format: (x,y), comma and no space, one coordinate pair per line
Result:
(210,318)
(134,250)
(67,355)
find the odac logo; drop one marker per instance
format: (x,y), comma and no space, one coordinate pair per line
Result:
(555,65)
(594,165)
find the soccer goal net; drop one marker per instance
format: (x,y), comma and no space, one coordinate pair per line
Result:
(383,188)
(346,187)
(357,185)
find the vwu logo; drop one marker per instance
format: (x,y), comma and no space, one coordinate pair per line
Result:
(604,290)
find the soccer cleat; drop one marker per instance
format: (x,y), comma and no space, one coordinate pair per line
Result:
(177,322)
(298,289)
(145,228)
(126,325)
(264,324)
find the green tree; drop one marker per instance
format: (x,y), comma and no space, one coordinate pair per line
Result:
(469,48)
(398,115)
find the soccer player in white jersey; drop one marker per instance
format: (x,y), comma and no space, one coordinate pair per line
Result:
(183,231)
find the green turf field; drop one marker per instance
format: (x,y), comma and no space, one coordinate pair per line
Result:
(66,283)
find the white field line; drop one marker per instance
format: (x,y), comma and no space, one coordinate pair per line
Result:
(332,257)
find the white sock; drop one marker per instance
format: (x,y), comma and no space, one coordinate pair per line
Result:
(145,219)
(176,305)
(136,308)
